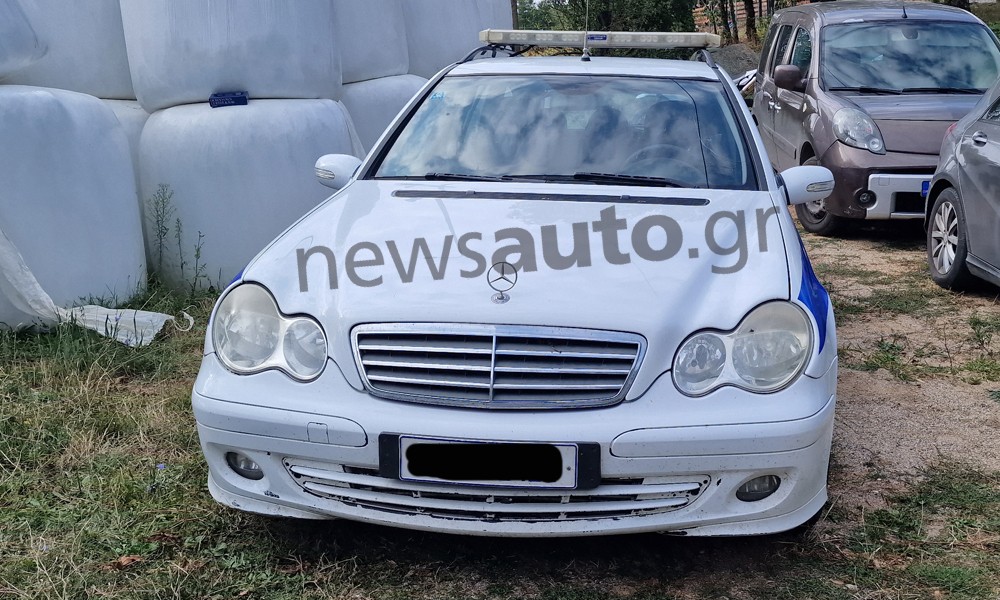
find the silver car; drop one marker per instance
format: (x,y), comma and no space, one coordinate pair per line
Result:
(963,217)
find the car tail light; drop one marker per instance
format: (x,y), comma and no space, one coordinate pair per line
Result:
(950,129)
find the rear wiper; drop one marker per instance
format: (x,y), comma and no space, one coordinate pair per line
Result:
(628,179)
(865,89)
(462,177)
(942,90)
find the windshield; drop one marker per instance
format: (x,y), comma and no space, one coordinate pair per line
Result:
(569,128)
(918,56)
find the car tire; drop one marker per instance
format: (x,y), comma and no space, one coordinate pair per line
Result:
(814,217)
(948,242)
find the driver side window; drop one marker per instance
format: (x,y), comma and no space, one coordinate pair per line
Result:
(780,47)
(993,114)
(802,52)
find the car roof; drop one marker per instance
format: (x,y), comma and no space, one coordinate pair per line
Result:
(598,65)
(877,10)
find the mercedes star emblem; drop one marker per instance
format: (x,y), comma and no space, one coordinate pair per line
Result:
(502,276)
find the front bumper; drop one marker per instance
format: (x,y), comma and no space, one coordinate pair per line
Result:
(322,461)
(894,177)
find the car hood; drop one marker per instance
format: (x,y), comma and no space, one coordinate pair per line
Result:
(915,123)
(662,300)
(916,107)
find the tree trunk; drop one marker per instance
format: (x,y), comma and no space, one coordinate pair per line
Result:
(751,21)
(736,23)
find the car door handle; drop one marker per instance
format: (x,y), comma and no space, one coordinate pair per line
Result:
(979,138)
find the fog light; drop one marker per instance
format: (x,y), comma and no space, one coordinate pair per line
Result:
(243,466)
(758,488)
(866,198)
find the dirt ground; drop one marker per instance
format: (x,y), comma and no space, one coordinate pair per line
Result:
(928,407)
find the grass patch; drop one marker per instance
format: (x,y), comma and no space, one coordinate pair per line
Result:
(983,330)
(902,301)
(828,272)
(944,532)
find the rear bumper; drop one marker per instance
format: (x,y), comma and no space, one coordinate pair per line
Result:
(671,479)
(893,177)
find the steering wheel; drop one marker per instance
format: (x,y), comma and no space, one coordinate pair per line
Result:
(663,160)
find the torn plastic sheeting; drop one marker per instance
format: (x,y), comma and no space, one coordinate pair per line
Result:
(440,32)
(19,46)
(373,104)
(19,286)
(239,175)
(183,51)
(67,197)
(372,38)
(86,48)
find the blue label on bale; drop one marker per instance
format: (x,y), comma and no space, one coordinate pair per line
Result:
(228,99)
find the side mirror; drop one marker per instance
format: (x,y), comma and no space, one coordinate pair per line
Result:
(789,77)
(335,170)
(807,184)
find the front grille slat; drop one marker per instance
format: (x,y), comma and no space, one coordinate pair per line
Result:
(613,498)
(430,381)
(375,482)
(496,366)
(491,507)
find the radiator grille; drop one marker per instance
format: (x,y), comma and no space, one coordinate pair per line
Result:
(496,366)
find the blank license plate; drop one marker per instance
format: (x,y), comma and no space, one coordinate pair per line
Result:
(502,464)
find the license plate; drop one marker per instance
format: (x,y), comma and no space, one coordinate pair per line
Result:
(925,188)
(490,463)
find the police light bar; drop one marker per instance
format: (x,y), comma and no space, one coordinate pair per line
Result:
(600,39)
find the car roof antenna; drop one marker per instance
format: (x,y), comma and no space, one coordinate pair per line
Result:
(586,32)
(903,6)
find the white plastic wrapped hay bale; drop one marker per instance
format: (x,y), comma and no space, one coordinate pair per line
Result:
(373,104)
(238,175)
(67,196)
(85,48)
(19,46)
(371,36)
(440,32)
(495,14)
(183,51)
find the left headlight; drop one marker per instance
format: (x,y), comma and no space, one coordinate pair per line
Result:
(855,128)
(250,335)
(766,352)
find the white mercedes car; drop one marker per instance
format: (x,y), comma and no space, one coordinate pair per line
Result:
(561,296)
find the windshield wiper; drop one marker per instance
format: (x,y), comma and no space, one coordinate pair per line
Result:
(462,177)
(628,179)
(942,90)
(866,89)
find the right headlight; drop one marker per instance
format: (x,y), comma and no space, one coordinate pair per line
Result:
(855,128)
(250,335)
(765,353)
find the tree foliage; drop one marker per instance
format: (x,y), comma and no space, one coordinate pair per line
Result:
(607,15)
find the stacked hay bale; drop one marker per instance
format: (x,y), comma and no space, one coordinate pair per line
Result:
(375,62)
(236,175)
(216,184)
(67,188)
